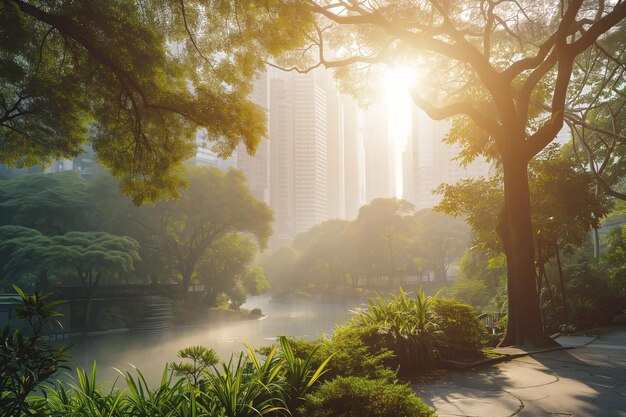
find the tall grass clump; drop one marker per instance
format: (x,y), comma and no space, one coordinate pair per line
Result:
(406,324)
(420,331)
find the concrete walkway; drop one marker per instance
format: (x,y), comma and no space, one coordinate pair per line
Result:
(589,380)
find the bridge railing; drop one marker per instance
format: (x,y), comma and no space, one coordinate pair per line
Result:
(490,320)
(75,292)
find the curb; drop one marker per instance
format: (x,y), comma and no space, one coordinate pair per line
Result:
(504,358)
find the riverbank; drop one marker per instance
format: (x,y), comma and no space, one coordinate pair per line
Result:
(226,333)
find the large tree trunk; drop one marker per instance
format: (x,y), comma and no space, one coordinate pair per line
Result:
(525,324)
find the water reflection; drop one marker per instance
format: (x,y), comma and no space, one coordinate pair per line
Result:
(150,351)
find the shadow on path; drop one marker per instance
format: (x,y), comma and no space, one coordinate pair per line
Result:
(586,381)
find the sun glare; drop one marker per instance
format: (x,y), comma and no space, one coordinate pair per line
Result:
(400,79)
(397,84)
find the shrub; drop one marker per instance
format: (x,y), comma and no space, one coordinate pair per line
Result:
(256,312)
(462,332)
(363,351)
(359,397)
(28,361)
(408,329)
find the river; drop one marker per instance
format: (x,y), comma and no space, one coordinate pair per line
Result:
(149,352)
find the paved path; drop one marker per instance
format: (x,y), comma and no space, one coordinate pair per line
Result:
(589,380)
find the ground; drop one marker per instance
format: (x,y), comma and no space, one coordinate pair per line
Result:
(588,380)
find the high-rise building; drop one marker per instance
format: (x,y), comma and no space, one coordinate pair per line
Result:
(310,151)
(298,153)
(256,168)
(380,175)
(336,152)
(408,171)
(281,160)
(354,157)
(434,161)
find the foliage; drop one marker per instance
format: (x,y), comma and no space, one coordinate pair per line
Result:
(215,208)
(201,359)
(171,234)
(245,386)
(387,239)
(381,235)
(226,268)
(415,338)
(361,351)
(615,258)
(508,87)
(137,80)
(27,361)
(565,208)
(482,281)
(89,257)
(357,396)
(463,334)
(52,204)
(322,253)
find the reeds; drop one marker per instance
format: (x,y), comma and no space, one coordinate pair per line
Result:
(247,385)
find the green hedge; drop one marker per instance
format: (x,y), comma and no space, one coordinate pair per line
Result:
(360,397)
(463,334)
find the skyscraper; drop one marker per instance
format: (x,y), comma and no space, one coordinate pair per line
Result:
(434,161)
(354,157)
(336,152)
(281,160)
(310,151)
(257,168)
(380,175)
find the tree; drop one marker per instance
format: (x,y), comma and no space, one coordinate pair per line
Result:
(227,269)
(90,257)
(615,258)
(441,240)
(116,214)
(381,235)
(564,209)
(501,69)
(52,204)
(324,251)
(137,79)
(215,205)
(280,268)
(598,127)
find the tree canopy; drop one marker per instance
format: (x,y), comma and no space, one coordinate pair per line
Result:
(387,239)
(503,70)
(137,80)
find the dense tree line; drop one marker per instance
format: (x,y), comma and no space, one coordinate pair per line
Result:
(389,238)
(62,229)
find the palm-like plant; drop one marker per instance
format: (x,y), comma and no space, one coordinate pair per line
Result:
(298,373)
(83,397)
(246,387)
(408,320)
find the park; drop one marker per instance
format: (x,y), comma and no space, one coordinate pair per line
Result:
(312,208)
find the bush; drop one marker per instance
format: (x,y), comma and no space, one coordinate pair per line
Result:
(360,397)
(462,333)
(362,351)
(28,361)
(256,312)
(407,328)
(354,351)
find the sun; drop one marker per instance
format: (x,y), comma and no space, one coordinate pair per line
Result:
(400,80)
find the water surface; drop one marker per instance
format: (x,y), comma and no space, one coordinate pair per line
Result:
(149,352)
